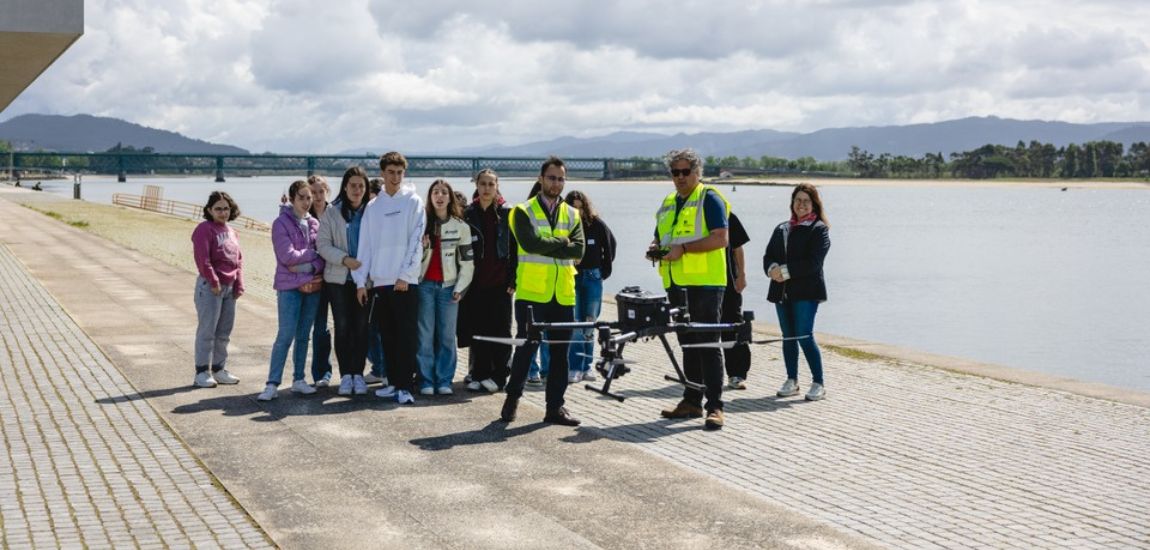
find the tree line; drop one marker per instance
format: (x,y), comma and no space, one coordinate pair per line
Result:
(1093,159)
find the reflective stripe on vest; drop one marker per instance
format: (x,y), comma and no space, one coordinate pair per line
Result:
(540,278)
(693,268)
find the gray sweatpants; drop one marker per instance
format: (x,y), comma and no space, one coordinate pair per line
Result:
(217,315)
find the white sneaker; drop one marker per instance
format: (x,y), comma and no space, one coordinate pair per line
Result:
(816,392)
(444,390)
(324,382)
(301,387)
(427,391)
(589,375)
(790,387)
(222,376)
(404,397)
(270,392)
(345,385)
(489,385)
(737,383)
(386,391)
(359,385)
(204,380)
(575,377)
(370,378)
(475,386)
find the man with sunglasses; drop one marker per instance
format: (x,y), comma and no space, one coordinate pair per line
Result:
(690,245)
(549,237)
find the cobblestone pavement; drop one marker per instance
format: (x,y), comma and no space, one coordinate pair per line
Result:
(907,456)
(79,467)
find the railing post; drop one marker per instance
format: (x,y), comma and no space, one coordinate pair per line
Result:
(220,169)
(310,166)
(122,173)
(474,166)
(76,178)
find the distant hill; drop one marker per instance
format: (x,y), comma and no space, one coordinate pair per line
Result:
(86,133)
(833,143)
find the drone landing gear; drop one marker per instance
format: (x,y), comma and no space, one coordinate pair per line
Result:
(612,365)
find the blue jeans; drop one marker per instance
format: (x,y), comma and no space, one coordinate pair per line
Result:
(437,317)
(296,316)
(797,318)
(541,366)
(321,338)
(588,303)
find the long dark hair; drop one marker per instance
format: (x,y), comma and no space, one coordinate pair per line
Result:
(345,207)
(587,210)
(816,201)
(218,196)
(454,206)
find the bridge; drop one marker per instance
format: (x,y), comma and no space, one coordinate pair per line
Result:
(123,164)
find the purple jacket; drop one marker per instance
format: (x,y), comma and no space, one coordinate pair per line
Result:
(293,248)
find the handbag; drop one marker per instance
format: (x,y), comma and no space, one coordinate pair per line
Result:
(312,286)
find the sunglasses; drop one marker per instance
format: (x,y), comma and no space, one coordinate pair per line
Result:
(681,173)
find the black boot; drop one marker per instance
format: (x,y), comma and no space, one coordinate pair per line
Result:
(510,405)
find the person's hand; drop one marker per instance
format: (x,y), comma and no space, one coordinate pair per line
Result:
(400,285)
(510,291)
(426,241)
(455,297)
(676,252)
(351,263)
(216,290)
(361,296)
(236,295)
(776,274)
(740,283)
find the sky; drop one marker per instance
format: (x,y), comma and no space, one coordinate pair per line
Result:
(296,76)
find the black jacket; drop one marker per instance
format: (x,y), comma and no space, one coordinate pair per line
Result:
(600,252)
(505,247)
(802,249)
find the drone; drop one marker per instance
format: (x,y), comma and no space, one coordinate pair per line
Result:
(642,315)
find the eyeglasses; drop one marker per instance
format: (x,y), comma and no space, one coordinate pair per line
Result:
(554,179)
(221,209)
(681,173)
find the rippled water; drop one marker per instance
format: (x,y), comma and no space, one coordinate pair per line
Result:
(1032,278)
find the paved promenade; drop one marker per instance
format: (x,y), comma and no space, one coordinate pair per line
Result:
(899,455)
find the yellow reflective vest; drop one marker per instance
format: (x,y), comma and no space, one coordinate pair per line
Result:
(693,268)
(540,278)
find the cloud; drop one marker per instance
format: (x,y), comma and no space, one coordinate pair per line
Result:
(290,76)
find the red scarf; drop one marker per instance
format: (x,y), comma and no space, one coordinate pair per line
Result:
(799,221)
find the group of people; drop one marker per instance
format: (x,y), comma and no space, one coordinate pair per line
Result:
(408,281)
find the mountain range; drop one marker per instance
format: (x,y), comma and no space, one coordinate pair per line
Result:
(87,133)
(82,133)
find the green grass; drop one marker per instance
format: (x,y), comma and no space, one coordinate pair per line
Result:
(81,224)
(856,354)
(78,223)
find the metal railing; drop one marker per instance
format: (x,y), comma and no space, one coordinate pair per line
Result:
(179,209)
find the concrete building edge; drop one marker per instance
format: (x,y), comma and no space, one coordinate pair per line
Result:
(163,419)
(56,57)
(887,352)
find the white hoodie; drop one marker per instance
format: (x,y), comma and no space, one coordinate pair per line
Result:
(390,239)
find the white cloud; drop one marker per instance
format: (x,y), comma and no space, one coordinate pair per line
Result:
(298,76)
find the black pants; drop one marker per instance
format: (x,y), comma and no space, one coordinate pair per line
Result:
(396,314)
(320,340)
(351,325)
(701,365)
(737,360)
(488,312)
(521,362)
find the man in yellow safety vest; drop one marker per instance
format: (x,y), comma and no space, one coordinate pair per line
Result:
(690,243)
(550,240)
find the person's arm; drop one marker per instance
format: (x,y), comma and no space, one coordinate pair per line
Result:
(576,244)
(465,261)
(365,250)
(774,255)
(325,239)
(531,241)
(238,286)
(285,252)
(409,269)
(608,251)
(741,265)
(717,237)
(202,241)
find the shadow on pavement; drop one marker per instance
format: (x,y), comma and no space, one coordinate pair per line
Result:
(495,432)
(146,395)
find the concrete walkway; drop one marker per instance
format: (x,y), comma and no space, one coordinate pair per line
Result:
(899,455)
